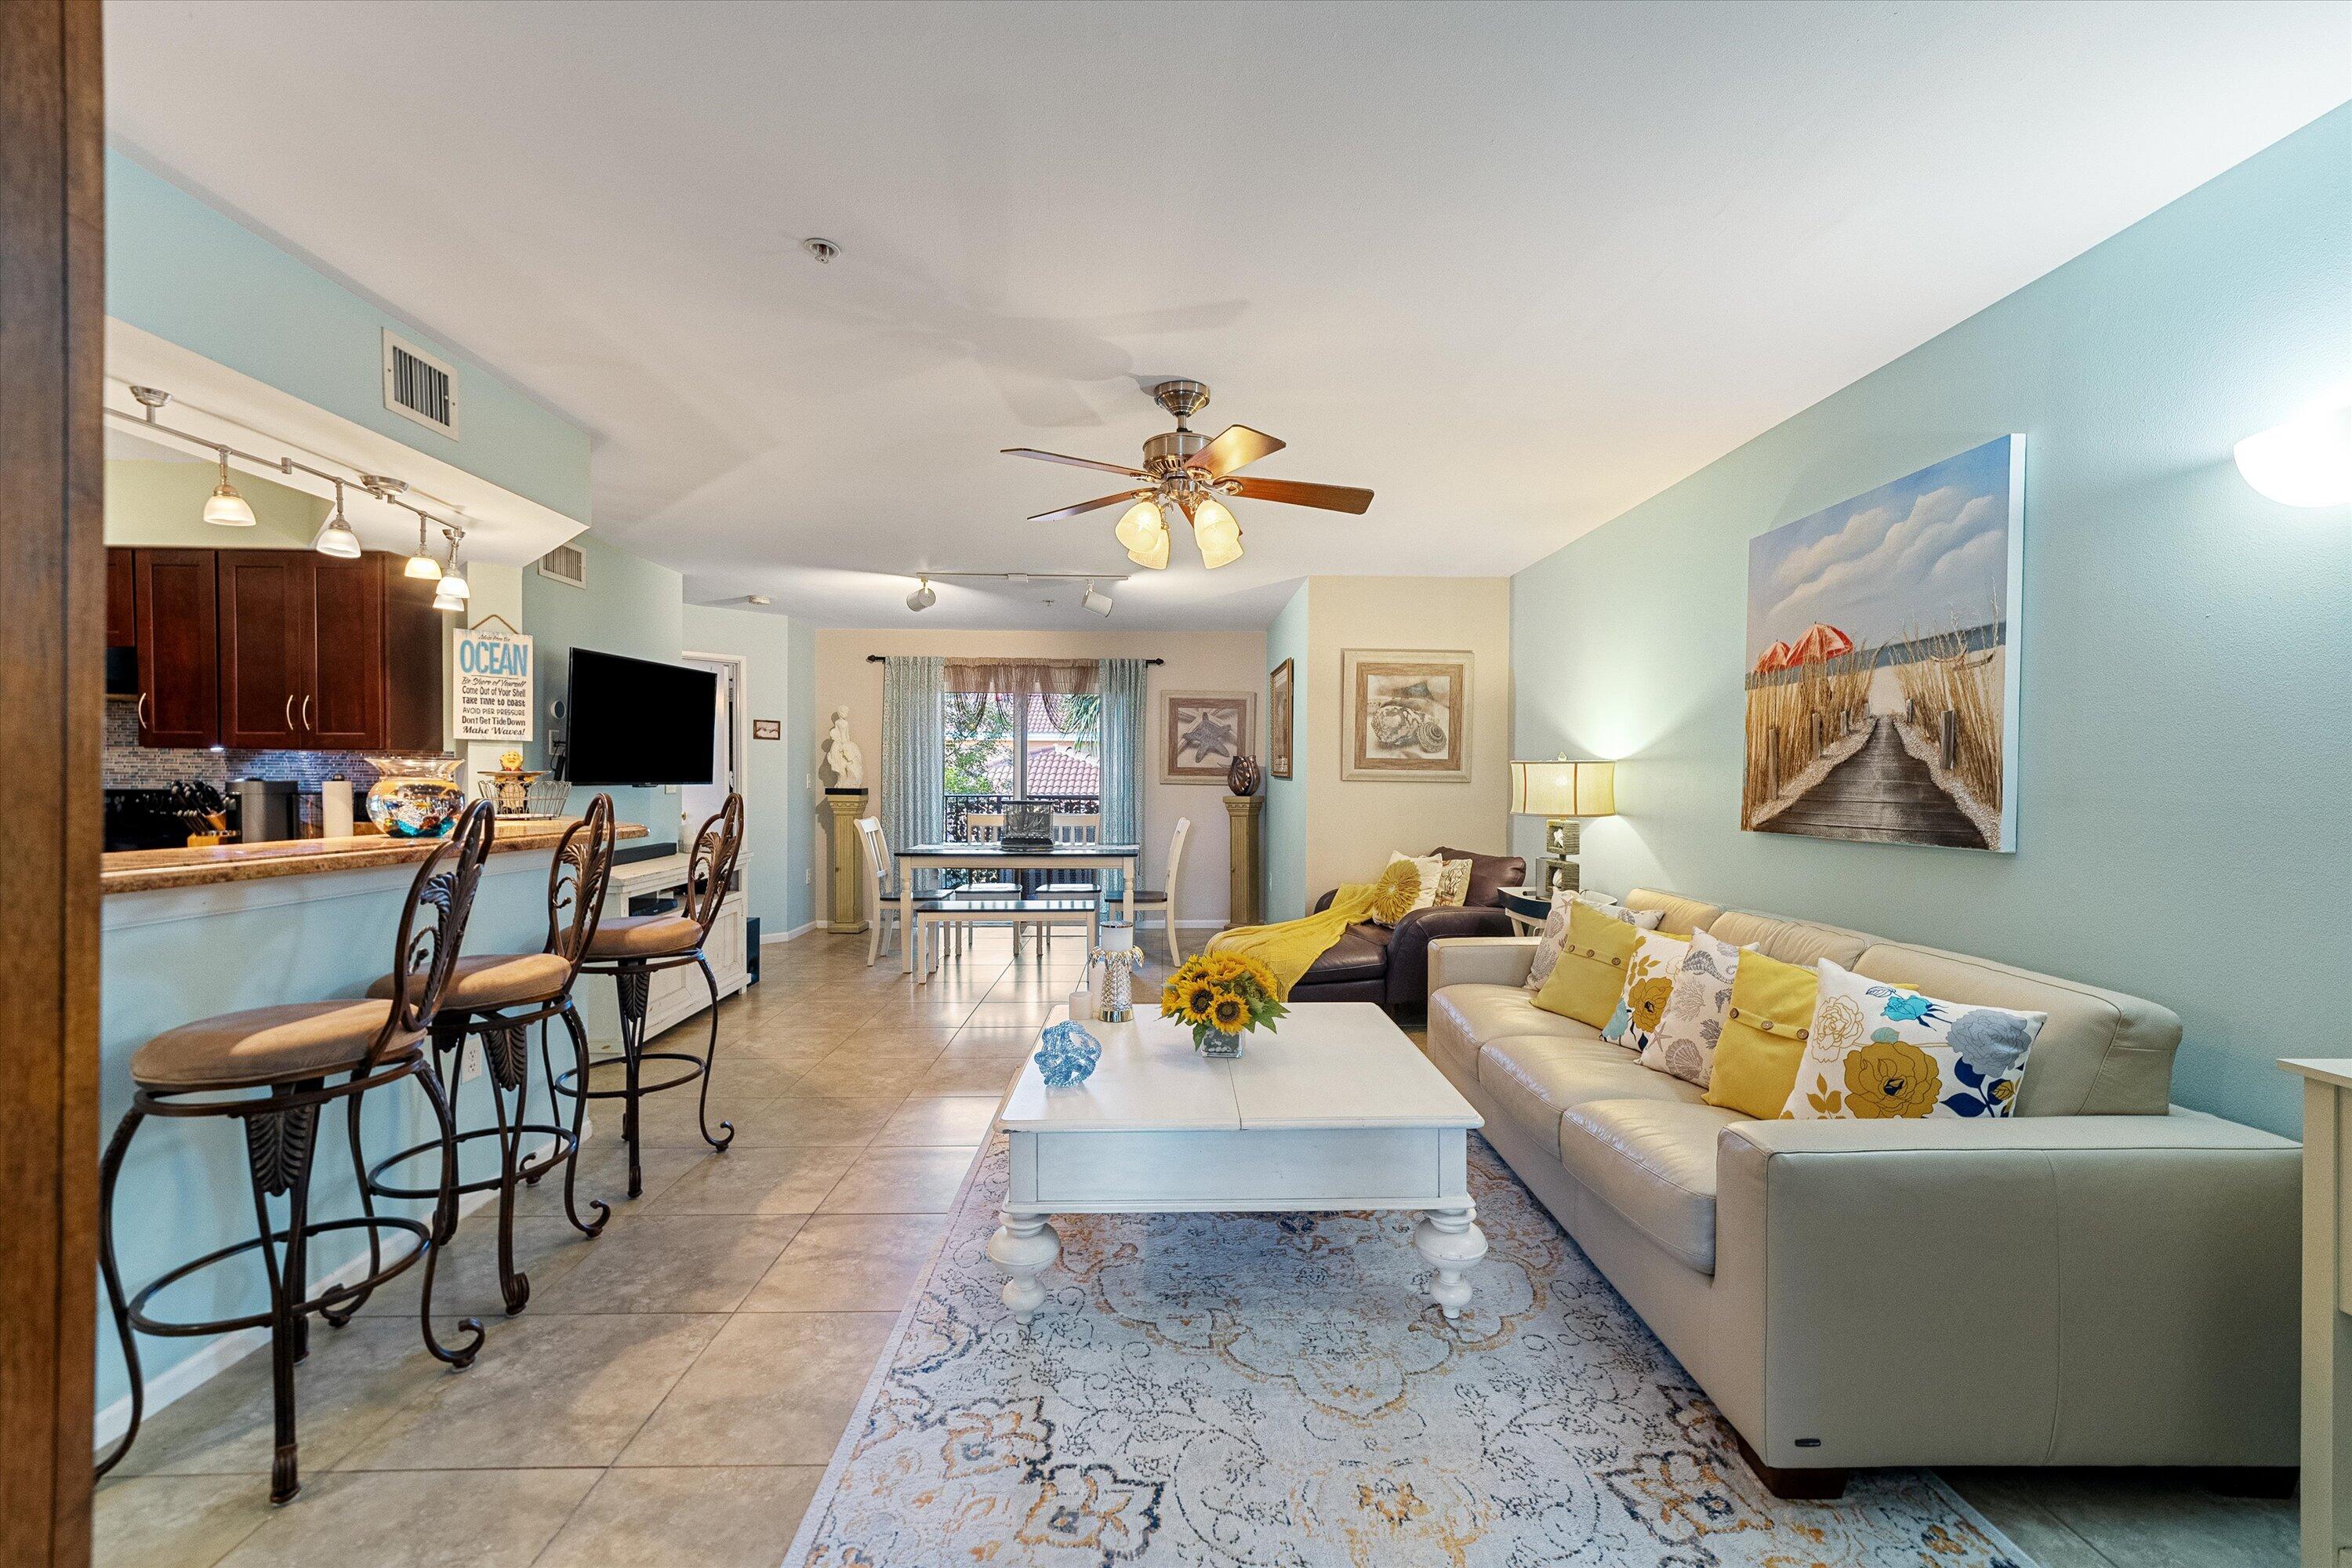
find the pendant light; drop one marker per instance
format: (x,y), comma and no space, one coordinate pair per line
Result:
(422,564)
(336,538)
(225,507)
(1216,532)
(455,590)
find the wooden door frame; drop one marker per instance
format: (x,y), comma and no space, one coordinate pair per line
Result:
(53,602)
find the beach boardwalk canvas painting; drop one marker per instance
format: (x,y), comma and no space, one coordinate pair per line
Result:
(1882,670)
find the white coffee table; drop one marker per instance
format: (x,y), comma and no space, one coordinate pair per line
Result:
(1334,1111)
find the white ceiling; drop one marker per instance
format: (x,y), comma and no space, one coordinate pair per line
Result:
(1514,267)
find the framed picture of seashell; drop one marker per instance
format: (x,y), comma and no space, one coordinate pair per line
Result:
(1279,698)
(1407,715)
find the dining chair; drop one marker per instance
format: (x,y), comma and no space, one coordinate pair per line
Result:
(881,872)
(1074,827)
(984,827)
(1165,900)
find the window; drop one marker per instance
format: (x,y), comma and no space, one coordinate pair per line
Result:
(1043,747)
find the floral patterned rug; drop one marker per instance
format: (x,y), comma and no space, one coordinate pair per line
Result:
(1259,1390)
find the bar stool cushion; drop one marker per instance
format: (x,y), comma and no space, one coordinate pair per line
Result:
(645,936)
(480,981)
(264,1044)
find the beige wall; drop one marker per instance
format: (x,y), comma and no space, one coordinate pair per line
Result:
(1197,661)
(1352,826)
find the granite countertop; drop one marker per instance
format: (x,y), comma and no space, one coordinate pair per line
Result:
(147,870)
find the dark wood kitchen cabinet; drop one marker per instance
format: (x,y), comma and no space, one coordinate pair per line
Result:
(179,647)
(306,652)
(122,598)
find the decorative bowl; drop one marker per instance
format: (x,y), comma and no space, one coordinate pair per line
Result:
(414,797)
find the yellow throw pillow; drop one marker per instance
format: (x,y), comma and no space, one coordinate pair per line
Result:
(1395,894)
(1591,974)
(1763,1039)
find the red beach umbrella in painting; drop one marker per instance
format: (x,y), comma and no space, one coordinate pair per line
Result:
(1820,644)
(1775,657)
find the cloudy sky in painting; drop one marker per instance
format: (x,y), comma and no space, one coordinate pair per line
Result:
(1921,555)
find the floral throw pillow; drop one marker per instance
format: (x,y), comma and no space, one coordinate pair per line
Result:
(1428,869)
(1454,885)
(1649,981)
(1555,931)
(1698,1003)
(1881,1051)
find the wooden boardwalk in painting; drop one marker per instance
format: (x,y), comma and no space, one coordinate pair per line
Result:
(1881,794)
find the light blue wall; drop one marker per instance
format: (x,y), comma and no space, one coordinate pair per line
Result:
(1286,799)
(799,736)
(2186,645)
(177,267)
(630,607)
(778,677)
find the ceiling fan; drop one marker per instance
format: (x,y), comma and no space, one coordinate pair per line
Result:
(1188,473)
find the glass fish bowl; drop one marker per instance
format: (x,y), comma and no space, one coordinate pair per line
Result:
(414,797)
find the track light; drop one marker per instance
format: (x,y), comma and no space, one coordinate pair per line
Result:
(1216,532)
(336,538)
(1097,600)
(455,590)
(224,506)
(422,564)
(924,596)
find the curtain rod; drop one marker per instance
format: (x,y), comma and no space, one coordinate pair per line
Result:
(884,659)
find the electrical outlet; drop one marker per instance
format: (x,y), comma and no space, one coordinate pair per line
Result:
(808,876)
(469,1062)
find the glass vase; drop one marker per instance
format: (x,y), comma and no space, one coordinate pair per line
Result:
(1218,1043)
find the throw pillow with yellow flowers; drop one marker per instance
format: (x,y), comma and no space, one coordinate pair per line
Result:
(1881,1052)
(1221,996)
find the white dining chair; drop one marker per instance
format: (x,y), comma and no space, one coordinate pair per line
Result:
(881,873)
(1165,900)
(1074,827)
(984,828)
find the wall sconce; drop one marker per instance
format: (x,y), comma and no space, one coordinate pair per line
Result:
(1562,792)
(2307,461)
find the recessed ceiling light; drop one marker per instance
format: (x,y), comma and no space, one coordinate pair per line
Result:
(823,249)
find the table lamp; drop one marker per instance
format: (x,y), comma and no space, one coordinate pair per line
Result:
(1563,793)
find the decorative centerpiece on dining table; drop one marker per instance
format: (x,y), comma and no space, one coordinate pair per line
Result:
(1222,996)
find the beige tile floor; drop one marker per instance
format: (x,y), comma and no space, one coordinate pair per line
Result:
(677,1386)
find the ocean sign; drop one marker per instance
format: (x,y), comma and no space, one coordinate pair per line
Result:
(490,677)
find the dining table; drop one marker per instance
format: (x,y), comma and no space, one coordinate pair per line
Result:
(1007,858)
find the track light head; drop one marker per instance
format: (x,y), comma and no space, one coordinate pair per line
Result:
(1097,600)
(924,596)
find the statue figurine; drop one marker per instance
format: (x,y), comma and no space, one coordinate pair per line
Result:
(842,757)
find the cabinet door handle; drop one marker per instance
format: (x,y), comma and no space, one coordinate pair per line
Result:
(306,711)
(290,710)
(142,711)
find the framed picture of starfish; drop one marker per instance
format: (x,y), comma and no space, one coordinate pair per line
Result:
(1201,734)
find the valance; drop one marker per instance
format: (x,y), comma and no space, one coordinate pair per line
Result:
(1024,676)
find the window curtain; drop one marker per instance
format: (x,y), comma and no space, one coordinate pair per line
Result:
(1024,676)
(914,754)
(1124,715)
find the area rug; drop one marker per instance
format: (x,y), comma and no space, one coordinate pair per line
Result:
(1273,1392)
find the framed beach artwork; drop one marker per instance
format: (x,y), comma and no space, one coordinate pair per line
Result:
(1201,734)
(1881,661)
(1406,714)
(1279,714)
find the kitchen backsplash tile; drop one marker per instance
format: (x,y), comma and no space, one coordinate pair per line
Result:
(129,765)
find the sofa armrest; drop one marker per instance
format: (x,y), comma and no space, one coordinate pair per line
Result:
(1480,961)
(1324,903)
(1408,982)
(2044,1289)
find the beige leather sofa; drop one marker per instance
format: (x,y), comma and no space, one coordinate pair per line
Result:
(2100,1279)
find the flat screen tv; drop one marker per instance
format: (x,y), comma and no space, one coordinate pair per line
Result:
(637,720)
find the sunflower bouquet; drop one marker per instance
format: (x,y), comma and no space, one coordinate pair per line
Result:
(1221,995)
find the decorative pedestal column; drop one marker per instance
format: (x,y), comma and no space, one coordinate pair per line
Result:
(844,808)
(1245,887)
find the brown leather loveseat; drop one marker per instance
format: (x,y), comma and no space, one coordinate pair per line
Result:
(1391,965)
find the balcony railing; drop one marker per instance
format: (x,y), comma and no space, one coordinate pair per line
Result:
(960,806)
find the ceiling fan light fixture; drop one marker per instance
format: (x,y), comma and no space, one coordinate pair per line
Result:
(1151,549)
(923,597)
(1139,522)
(1217,533)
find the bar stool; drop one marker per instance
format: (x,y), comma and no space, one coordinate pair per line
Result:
(497,996)
(274,1065)
(630,949)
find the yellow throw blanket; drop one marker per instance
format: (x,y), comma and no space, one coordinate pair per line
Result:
(1290,948)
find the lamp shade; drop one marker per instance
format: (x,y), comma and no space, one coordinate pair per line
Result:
(1563,789)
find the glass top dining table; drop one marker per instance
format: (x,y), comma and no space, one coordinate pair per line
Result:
(1010,857)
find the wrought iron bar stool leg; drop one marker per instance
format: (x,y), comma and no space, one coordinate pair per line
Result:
(444,1226)
(709,1061)
(347,1303)
(510,1062)
(110,1171)
(579,1118)
(634,986)
(279,1145)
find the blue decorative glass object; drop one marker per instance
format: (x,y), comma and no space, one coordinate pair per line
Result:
(1066,1056)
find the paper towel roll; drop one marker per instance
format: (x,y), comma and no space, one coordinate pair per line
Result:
(335,808)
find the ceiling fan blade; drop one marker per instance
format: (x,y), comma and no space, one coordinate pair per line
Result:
(1096,503)
(1291,492)
(1238,448)
(1073,462)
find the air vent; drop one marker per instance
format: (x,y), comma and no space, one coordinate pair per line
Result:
(565,563)
(419,386)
